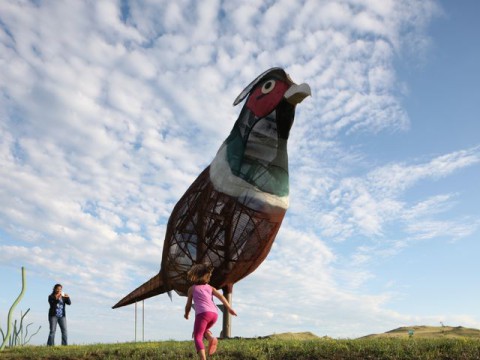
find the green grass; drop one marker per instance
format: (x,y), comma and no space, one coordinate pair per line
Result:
(275,347)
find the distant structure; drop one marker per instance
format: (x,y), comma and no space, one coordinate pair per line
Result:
(230,215)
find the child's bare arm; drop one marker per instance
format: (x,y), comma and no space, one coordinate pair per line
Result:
(188,306)
(223,300)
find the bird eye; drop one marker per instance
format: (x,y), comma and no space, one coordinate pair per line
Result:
(268,86)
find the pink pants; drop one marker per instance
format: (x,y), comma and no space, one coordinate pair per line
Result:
(203,322)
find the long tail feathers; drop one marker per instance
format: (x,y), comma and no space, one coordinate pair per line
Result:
(152,287)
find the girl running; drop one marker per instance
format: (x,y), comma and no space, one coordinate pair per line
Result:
(201,293)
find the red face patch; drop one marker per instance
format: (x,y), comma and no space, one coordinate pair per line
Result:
(266,96)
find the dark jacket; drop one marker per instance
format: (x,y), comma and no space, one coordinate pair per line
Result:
(53,305)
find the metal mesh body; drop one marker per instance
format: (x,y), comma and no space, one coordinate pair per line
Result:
(209,226)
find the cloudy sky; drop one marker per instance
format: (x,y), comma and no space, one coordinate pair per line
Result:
(110,109)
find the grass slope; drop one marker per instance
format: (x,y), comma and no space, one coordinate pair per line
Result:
(272,348)
(429,332)
(292,336)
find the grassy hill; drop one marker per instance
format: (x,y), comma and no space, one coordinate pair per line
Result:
(293,336)
(429,332)
(288,346)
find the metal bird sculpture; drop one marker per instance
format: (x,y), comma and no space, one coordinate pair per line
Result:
(231,213)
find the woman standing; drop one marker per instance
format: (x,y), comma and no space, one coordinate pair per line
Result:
(56,314)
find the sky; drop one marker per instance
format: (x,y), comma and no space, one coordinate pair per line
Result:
(110,109)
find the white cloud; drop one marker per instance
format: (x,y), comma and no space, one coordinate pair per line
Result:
(399,177)
(340,206)
(433,229)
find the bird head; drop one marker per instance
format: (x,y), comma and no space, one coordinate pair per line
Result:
(256,149)
(269,89)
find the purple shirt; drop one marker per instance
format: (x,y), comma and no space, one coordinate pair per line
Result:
(203,299)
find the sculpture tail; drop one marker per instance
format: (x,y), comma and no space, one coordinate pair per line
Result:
(152,287)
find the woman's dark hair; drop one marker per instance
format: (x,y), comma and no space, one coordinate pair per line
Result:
(55,287)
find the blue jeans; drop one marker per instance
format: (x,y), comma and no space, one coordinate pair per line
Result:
(53,320)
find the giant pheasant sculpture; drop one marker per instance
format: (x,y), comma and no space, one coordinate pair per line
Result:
(231,213)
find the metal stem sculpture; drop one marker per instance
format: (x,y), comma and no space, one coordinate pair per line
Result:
(10,312)
(230,215)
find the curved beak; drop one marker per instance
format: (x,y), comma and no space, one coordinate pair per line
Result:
(296,93)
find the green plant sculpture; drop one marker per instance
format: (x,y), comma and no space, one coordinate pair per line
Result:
(18,337)
(10,312)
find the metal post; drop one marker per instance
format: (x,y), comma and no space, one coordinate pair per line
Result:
(143,320)
(227,318)
(135,321)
